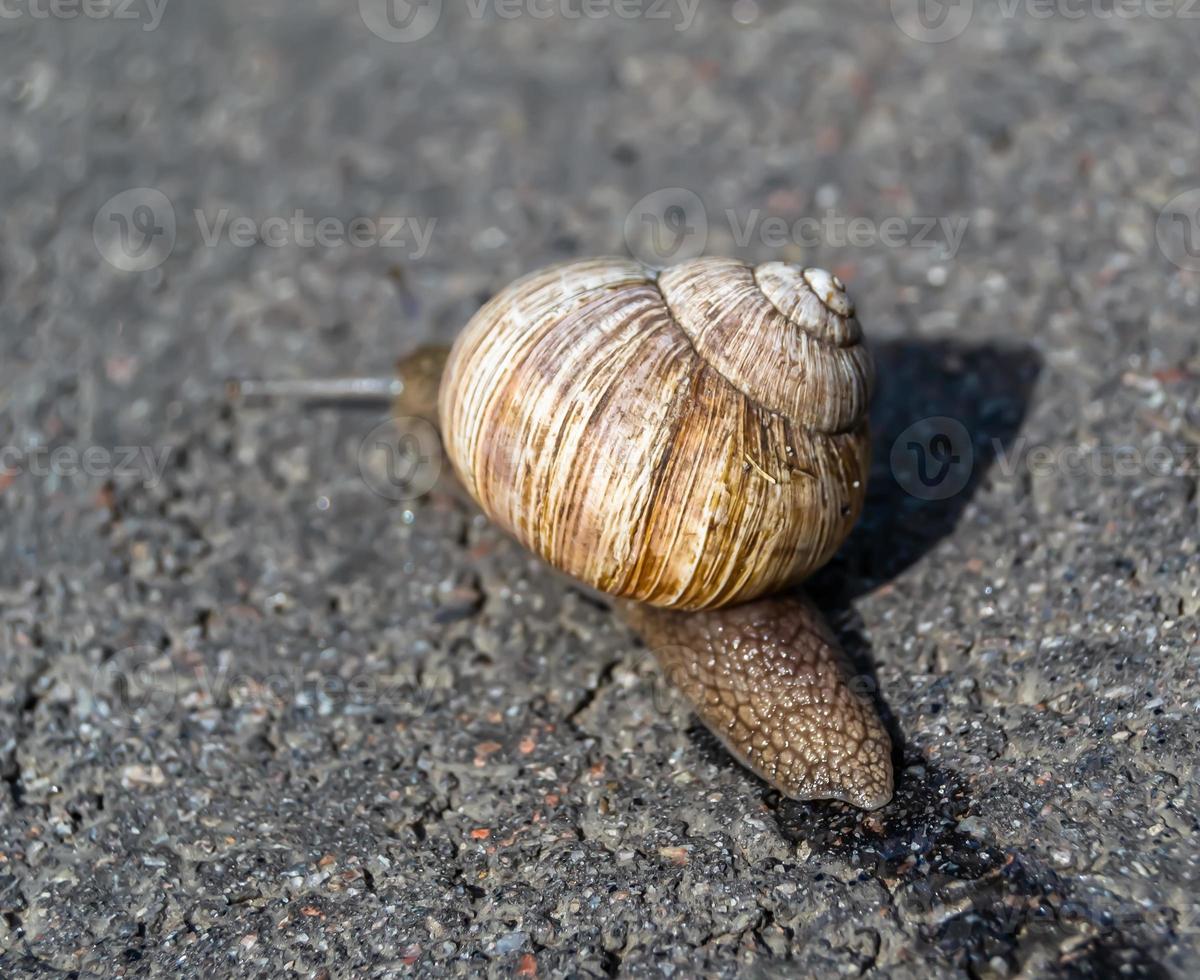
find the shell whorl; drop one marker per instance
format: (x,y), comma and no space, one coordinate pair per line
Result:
(784,336)
(689,438)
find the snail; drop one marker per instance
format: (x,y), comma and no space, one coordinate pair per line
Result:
(691,442)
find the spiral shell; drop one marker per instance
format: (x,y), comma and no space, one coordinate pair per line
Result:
(688,438)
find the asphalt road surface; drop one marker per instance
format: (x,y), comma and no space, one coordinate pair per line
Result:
(270,708)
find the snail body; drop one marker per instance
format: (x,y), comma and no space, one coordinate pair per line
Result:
(684,441)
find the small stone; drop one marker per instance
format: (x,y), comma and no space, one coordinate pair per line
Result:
(511,943)
(973,827)
(138,776)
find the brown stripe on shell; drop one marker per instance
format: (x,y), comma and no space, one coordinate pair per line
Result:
(495,338)
(614,419)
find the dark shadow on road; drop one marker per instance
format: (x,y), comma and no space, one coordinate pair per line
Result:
(942,414)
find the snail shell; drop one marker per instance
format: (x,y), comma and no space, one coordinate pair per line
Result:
(689,438)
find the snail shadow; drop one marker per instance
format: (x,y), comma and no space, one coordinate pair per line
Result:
(944,413)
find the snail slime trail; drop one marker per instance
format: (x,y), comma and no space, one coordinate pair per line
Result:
(693,443)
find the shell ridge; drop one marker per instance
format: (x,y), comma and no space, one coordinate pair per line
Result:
(707,363)
(813,398)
